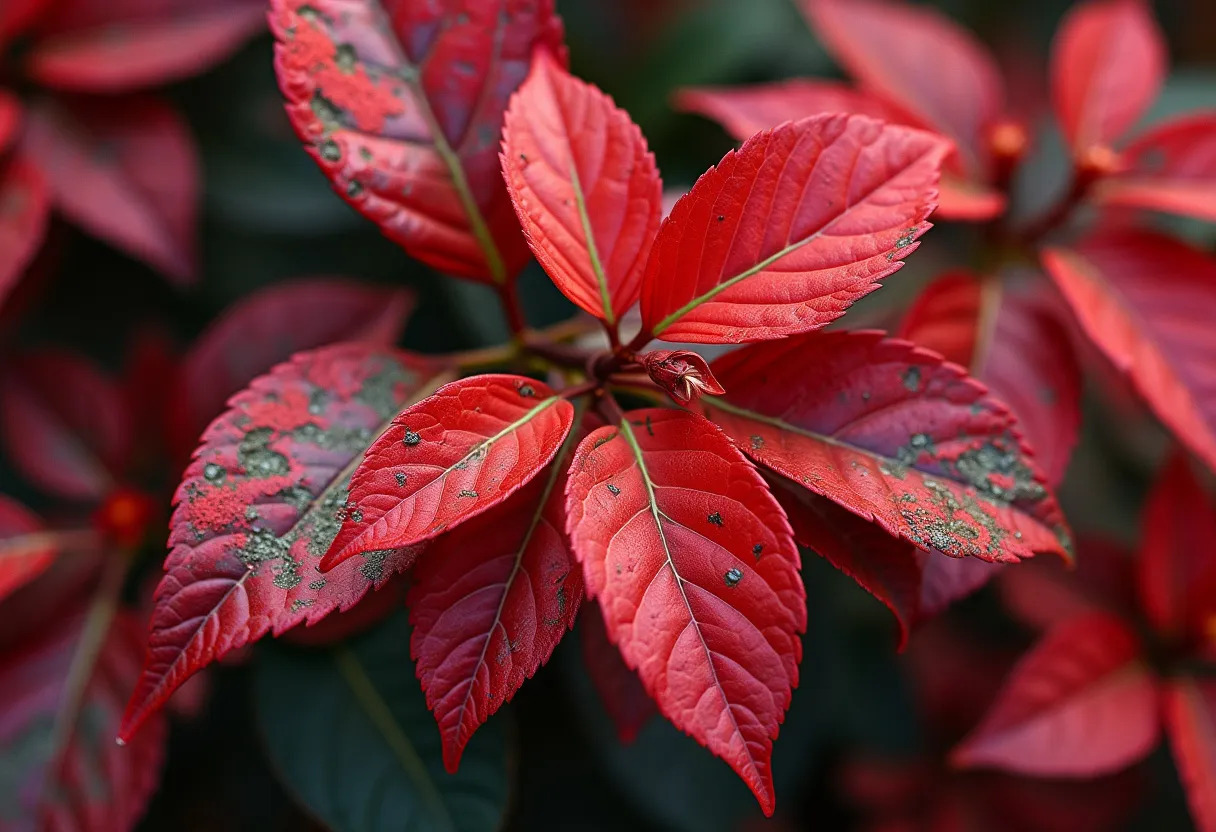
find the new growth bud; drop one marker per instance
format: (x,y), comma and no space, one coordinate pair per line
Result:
(682,373)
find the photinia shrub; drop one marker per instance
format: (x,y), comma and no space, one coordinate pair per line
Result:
(659,471)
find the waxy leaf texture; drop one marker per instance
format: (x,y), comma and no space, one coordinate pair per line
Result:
(111,46)
(920,61)
(25,208)
(585,187)
(694,568)
(64,424)
(349,731)
(1012,339)
(1082,703)
(58,727)
(266,328)
(402,106)
(1171,168)
(260,504)
(1108,64)
(26,547)
(894,434)
(786,232)
(127,172)
(489,602)
(1189,711)
(448,458)
(1146,299)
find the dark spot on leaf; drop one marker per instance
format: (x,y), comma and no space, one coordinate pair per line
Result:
(400,477)
(757,442)
(354,189)
(213,472)
(317,585)
(603,440)
(467,493)
(615,491)
(356,516)
(523,158)
(410,438)
(527,391)
(911,379)
(258,460)
(721,218)
(345,58)
(716,519)
(733,576)
(757,550)
(330,150)
(373,565)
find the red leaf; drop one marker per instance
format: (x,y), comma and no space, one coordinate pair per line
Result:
(10,118)
(26,547)
(125,170)
(445,460)
(692,562)
(64,424)
(402,106)
(111,46)
(1080,704)
(25,206)
(1176,572)
(17,15)
(945,580)
(268,327)
(584,186)
(920,60)
(1145,300)
(786,232)
(895,435)
(1189,711)
(1044,594)
(71,774)
(1107,65)
(743,111)
(259,505)
(619,688)
(1171,168)
(1010,338)
(489,603)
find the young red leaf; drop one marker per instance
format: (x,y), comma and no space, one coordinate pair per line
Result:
(894,434)
(402,106)
(261,502)
(127,172)
(445,460)
(59,721)
(1010,338)
(683,374)
(619,688)
(1145,300)
(695,570)
(1080,704)
(1107,65)
(585,188)
(64,424)
(944,580)
(1171,168)
(268,327)
(921,61)
(1176,572)
(26,547)
(1189,711)
(25,206)
(490,601)
(786,232)
(1044,594)
(743,111)
(111,46)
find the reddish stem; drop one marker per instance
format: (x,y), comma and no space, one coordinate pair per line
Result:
(516,320)
(1082,179)
(607,407)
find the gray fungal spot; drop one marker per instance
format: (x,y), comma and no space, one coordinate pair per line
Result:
(330,150)
(715,519)
(373,565)
(410,438)
(400,477)
(911,379)
(256,457)
(733,576)
(213,472)
(318,584)
(614,490)
(757,550)
(468,493)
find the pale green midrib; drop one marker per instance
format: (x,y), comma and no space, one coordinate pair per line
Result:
(554,473)
(768,261)
(477,223)
(382,718)
(580,199)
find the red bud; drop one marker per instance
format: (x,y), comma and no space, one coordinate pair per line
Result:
(682,373)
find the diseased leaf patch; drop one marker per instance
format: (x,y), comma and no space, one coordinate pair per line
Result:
(260,504)
(895,435)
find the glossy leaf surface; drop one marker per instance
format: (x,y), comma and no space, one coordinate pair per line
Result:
(694,568)
(111,46)
(358,747)
(268,327)
(1080,704)
(127,172)
(1145,299)
(25,208)
(585,188)
(260,504)
(1107,66)
(63,769)
(1170,168)
(1189,712)
(64,424)
(490,601)
(1011,339)
(26,547)
(402,106)
(786,232)
(443,461)
(895,435)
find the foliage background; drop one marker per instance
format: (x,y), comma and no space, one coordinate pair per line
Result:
(269,215)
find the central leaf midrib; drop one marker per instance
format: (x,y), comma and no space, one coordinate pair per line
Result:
(597,266)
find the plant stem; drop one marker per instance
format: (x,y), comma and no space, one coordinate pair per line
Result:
(516,320)
(1082,179)
(473,360)
(607,407)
